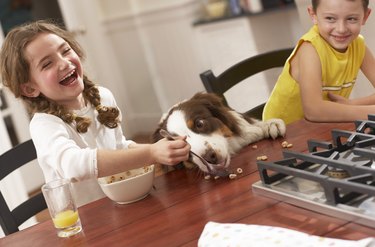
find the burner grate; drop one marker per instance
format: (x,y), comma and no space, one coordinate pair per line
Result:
(361,181)
(340,173)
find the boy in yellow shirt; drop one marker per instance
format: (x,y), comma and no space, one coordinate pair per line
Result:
(318,77)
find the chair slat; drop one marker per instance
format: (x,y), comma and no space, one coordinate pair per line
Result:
(10,161)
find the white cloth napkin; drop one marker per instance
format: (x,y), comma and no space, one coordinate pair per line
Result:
(239,235)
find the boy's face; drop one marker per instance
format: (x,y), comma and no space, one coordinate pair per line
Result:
(55,71)
(339,21)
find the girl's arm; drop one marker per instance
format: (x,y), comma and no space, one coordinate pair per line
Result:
(164,152)
(61,152)
(315,108)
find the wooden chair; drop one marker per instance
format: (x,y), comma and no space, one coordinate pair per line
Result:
(242,70)
(11,160)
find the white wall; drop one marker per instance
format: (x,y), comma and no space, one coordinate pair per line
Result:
(223,44)
(161,54)
(142,50)
(156,49)
(363,86)
(150,55)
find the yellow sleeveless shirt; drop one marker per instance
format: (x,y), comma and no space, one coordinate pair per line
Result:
(339,73)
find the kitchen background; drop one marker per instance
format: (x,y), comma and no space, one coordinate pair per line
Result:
(150,54)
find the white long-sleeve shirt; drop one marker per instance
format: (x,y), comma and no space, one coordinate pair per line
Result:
(64,153)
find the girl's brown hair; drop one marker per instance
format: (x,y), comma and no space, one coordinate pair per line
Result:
(14,69)
(315,4)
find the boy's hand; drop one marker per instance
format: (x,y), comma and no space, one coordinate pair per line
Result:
(338,98)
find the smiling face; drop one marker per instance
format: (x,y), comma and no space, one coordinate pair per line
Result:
(339,21)
(55,71)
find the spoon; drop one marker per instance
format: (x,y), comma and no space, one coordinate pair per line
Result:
(164,133)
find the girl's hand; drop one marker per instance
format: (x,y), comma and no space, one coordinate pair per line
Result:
(170,152)
(338,98)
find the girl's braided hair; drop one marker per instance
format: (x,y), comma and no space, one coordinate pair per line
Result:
(14,69)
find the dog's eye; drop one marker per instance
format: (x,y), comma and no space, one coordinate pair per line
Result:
(199,124)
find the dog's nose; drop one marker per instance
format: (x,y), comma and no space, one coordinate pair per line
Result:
(211,156)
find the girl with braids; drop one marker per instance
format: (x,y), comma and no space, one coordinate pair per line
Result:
(75,124)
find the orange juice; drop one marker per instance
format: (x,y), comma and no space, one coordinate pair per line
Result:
(65,219)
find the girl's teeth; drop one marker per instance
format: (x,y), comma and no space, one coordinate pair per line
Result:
(71,73)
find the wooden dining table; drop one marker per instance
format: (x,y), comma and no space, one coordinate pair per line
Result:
(182,202)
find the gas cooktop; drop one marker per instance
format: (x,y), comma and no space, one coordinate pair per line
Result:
(335,178)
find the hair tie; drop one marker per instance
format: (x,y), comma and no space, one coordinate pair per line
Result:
(98,107)
(101,108)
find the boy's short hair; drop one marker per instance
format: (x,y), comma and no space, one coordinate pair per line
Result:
(315,4)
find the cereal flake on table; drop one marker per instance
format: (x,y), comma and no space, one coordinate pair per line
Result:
(262,157)
(286,144)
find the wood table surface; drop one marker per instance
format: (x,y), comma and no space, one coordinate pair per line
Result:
(176,211)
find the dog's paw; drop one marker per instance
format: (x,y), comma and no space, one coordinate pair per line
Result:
(276,127)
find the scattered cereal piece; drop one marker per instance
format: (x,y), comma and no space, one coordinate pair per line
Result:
(289,145)
(254,146)
(263,157)
(216,177)
(284,144)
(232,176)
(207,177)
(239,170)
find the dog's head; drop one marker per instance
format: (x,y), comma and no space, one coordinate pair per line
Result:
(207,123)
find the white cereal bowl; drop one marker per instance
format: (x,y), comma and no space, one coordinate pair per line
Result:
(129,186)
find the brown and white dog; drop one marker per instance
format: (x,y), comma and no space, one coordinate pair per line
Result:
(215,131)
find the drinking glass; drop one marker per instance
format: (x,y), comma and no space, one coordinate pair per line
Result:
(215,8)
(62,208)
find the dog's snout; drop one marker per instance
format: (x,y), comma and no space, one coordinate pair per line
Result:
(211,156)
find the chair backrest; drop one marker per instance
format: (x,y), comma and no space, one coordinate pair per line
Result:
(242,70)
(10,161)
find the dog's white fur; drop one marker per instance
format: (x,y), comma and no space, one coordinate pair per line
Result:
(218,144)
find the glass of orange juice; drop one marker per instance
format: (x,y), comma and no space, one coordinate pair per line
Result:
(62,208)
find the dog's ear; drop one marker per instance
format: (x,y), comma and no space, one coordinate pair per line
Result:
(215,105)
(225,116)
(156,134)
